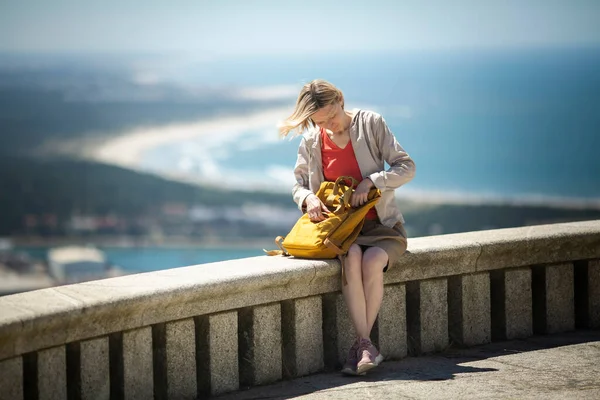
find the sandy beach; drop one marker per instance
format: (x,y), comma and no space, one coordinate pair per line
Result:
(127,148)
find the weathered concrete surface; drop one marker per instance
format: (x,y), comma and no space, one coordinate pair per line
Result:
(427,315)
(543,367)
(594,293)
(260,345)
(392,323)
(56,316)
(223,352)
(138,372)
(469,309)
(52,373)
(11,379)
(302,326)
(95,376)
(560,311)
(517,301)
(181,359)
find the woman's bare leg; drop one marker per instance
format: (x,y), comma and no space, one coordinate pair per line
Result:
(373,261)
(354,294)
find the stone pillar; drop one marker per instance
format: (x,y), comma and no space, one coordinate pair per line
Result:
(512,309)
(587,294)
(338,331)
(218,353)
(95,371)
(52,373)
(180,349)
(392,323)
(11,379)
(138,374)
(259,333)
(302,335)
(560,309)
(469,309)
(427,315)
(594,294)
(553,298)
(518,303)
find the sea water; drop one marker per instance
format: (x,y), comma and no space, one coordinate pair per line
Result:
(509,124)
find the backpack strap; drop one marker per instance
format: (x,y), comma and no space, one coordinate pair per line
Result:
(281,252)
(333,246)
(342,258)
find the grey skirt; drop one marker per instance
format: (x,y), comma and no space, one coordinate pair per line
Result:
(392,240)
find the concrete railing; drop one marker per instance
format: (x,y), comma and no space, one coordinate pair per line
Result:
(195,331)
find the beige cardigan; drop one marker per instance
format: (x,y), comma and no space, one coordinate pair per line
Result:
(373,145)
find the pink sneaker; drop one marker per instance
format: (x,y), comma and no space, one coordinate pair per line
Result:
(368,357)
(351,360)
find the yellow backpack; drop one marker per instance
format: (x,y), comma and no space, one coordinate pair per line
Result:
(332,237)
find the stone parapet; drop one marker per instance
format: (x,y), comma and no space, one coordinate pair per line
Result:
(195,331)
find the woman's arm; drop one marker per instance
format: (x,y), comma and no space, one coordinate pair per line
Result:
(301,189)
(402,167)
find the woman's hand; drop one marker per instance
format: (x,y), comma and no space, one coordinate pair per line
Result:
(361,193)
(315,208)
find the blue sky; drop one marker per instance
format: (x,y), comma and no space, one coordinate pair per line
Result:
(275,27)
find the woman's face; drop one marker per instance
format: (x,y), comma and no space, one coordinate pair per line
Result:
(330,117)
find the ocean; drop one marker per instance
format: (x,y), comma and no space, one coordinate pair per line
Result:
(494,124)
(146,259)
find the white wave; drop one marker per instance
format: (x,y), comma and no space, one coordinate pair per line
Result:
(128,148)
(263,93)
(146,78)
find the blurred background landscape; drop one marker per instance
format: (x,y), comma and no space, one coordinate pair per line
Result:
(138,136)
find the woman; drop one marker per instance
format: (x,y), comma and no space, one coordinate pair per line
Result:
(357,143)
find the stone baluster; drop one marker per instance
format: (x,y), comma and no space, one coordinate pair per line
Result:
(511,311)
(553,298)
(11,379)
(302,335)
(52,373)
(469,309)
(427,315)
(259,334)
(391,323)
(138,368)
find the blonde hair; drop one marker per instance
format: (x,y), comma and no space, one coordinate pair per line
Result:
(313,96)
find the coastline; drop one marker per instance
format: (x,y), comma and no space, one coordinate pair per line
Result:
(127,149)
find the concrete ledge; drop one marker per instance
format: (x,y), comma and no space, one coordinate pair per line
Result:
(56,316)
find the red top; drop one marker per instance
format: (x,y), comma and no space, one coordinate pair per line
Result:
(340,162)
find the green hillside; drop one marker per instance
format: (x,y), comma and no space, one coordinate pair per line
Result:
(34,186)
